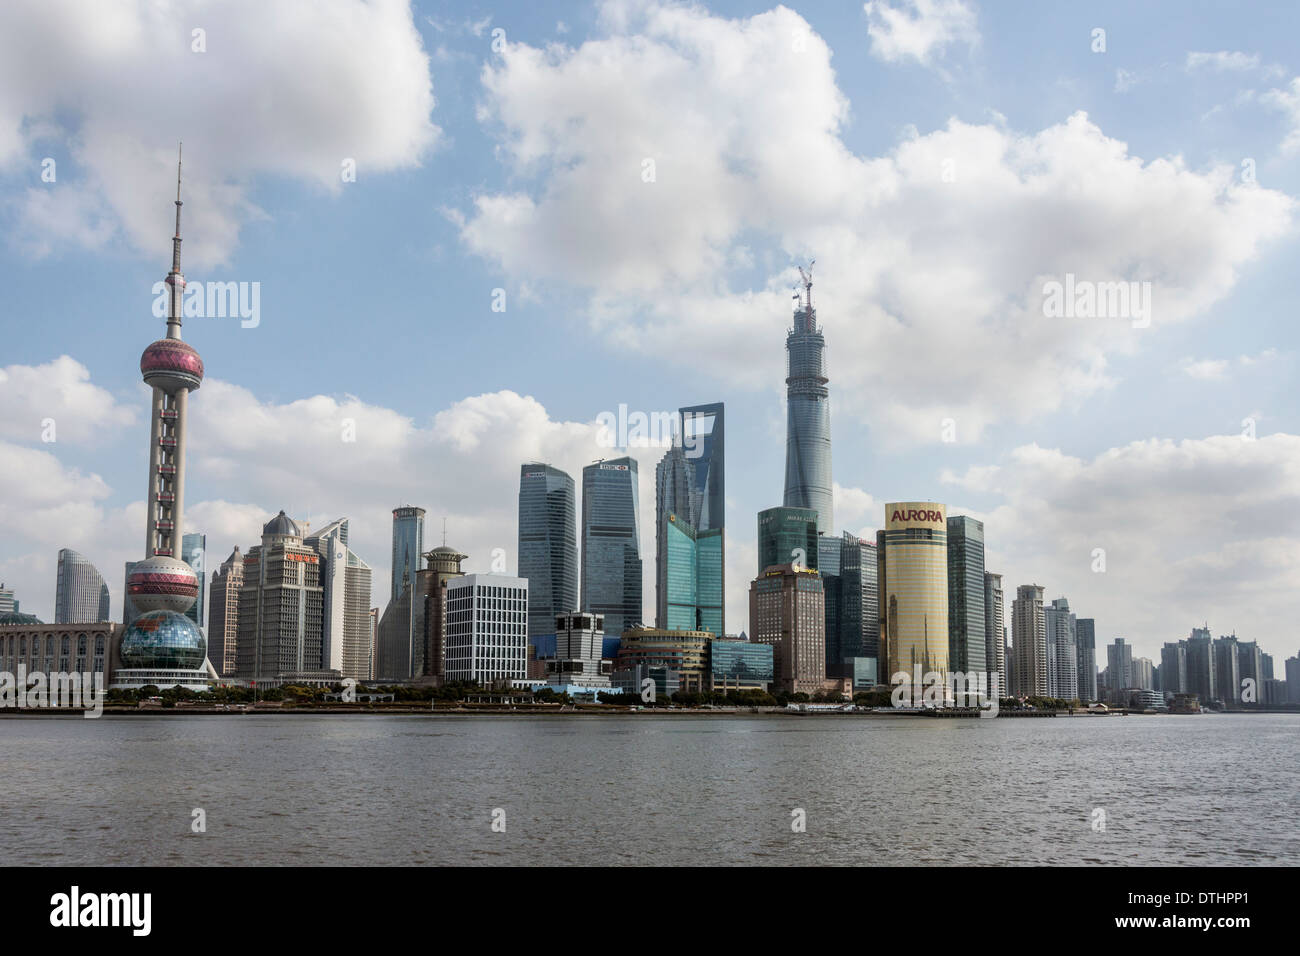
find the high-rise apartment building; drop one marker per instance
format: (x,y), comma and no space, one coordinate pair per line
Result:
(1173,668)
(808,415)
(967,645)
(345,596)
(548,544)
(1029,639)
(223,614)
(1119,670)
(914,589)
(487,628)
(1143,673)
(1062,650)
(787,609)
(1201,670)
(281,607)
(80,596)
(1227,671)
(994,628)
(611,543)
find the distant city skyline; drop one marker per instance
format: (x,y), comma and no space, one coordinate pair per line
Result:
(1083,445)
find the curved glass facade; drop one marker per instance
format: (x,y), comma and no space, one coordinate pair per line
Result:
(163,640)
(915,595)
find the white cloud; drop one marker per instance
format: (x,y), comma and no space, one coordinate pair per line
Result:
(920,30)
(1217,370)
(59,391)
(1223,60)
(932,256)
(299,86)
(1287,101)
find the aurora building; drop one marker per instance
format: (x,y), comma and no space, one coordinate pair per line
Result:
(914,588)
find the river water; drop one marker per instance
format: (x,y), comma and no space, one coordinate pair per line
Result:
(644,789)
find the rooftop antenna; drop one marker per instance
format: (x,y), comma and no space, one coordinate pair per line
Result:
(444,531)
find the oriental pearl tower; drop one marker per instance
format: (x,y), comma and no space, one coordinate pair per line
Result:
(162,646)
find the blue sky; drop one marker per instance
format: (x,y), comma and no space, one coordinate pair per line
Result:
(777,134)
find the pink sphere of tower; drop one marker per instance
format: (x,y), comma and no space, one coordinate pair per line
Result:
(162,584)
(171,365)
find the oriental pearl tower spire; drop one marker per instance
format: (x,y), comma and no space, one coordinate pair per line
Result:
(162,642)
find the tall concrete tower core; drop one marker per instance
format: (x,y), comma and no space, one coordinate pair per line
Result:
(808,414)
(163,647)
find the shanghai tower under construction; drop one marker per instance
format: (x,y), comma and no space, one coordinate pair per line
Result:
(808,413)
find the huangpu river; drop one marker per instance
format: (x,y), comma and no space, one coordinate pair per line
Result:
(643,789)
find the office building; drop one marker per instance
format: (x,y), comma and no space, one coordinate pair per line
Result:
(1119,671)
(1292,666)
(8,603)
(967,644)
(194,549)
(578,664)
(345,602)
(223,614)
(408,545)
(81,596)
(548,544)
(787,609)
(281,609)
(487,629)
(856,619)
(808,416)
(740,665)
(684,652)
(1173,668)
(914,589)
(1029,639)
(429,649)
(611,543)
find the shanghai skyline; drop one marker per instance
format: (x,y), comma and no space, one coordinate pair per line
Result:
(1069,436)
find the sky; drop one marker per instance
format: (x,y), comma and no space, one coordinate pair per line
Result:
(473,229)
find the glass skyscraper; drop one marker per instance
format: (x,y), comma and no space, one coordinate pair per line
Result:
(784,534)
(692,588)
(548,545)
(690,502)
(194,549)
(80,594)
(967,650)
(408,545)
(611,543)
(808,416)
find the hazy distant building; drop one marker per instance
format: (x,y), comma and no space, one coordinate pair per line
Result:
(1227,671)
(1173,668)
(280,607)
(548,544)
(914,588)
(81,596)
(1143,673)
(967,647)
(487,629)
(194,551)
(808,417)
(223,614)
(1250,666)
(994,629)
(611,543)
(1029,639)
(787,609)
(1085,641)
(1292,666)
(345,585)
(1201,670)
(1119,670)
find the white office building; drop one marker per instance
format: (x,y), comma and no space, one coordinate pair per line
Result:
(487,628)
